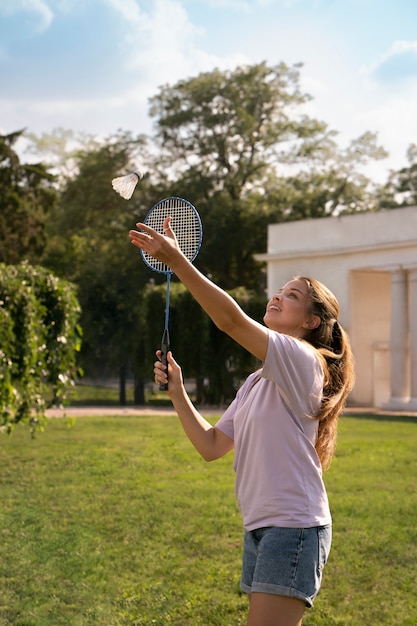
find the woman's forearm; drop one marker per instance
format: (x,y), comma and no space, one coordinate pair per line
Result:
(221,308)
(210,443)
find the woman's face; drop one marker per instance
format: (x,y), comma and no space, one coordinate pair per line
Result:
(288,311)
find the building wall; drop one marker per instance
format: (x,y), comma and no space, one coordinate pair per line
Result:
(369,331)
(355,256)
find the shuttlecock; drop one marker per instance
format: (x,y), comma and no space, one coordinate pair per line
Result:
(125,185)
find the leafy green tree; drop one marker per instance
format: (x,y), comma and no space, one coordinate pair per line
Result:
(401,187)
(239,147)
(39,338)
(223,134)
(89,245)
(27,194)
(332,185)
(231,124)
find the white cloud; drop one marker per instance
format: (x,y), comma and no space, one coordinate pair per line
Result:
(159,42)
(130,10)
(238,5)
(396,120)
(163,45)
(43,13)
(399,50)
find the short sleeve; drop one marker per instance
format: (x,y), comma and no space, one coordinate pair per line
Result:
(295,367)
(226,422)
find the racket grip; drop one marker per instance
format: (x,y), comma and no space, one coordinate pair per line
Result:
(165,348)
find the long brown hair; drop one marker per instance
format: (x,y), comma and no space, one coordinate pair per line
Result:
(333,346)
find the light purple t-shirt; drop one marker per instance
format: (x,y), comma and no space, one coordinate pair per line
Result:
(278,473)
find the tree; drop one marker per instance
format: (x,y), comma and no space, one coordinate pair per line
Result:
(214,360)
(332,185)
(27,195)
(88,244)
(401,187)
(231,124)
(39,338)
(239,145)
(61,149)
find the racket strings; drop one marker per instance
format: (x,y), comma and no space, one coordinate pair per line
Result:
(185,223)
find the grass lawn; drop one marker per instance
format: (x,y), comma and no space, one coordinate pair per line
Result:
(117,521)
(84,394)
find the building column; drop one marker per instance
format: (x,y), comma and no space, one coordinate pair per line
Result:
(413,338)
(399,395)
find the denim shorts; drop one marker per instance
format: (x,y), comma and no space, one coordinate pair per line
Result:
(285,561)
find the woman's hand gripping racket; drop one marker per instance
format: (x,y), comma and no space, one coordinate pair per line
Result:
(186,224)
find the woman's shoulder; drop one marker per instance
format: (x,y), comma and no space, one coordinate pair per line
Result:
(292,345)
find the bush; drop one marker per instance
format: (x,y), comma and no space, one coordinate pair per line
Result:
(39,338)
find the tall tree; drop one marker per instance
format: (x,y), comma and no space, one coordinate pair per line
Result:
(88,244)
(238,144)
(333,183)
(236,125)
(27,195)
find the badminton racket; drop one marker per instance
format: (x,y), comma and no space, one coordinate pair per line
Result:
(186,224)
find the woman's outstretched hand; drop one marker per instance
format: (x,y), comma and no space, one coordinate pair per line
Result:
(174,375)
(162,247)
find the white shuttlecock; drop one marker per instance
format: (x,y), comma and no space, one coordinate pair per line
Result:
(125,185)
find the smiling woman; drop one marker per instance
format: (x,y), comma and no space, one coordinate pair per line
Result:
(288,310)
(282,426)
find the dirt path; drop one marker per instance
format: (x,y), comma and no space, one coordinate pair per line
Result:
(79,411)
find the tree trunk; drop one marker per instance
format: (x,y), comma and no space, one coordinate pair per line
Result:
(139,390)
(122,384)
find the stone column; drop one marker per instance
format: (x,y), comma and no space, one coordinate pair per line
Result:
(399,341)
(413,338)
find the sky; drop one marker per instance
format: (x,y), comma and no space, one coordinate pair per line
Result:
(92,65)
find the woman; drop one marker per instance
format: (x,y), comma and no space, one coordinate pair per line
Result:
(282,427)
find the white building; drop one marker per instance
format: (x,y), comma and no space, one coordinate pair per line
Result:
(369,261)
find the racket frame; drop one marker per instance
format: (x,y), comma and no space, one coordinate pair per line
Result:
(166,206)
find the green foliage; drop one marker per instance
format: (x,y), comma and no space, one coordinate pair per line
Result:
(240,146)
(224,134)
(125,525)
(243,151)
(27,195)
(216,362)
(231,122)
(401,187)
(88,244)
(39,338)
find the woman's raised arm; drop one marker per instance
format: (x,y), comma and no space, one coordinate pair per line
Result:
(221,308)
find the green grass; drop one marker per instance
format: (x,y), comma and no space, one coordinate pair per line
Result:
(105,395)
(117,521)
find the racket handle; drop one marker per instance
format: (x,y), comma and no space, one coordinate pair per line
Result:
(165,348)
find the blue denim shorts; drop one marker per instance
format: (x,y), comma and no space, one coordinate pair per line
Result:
(285,561)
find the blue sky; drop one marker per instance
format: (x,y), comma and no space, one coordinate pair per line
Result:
(91,65)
